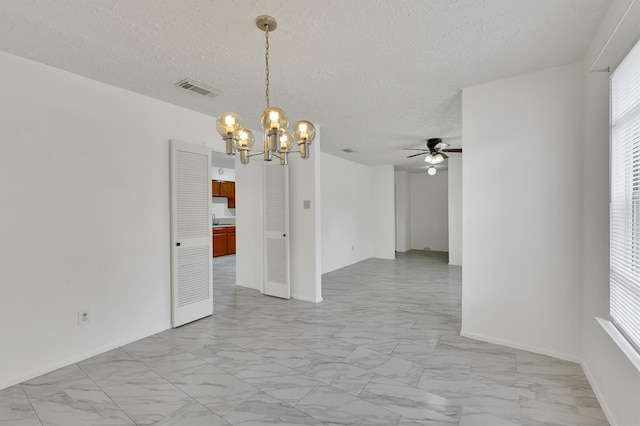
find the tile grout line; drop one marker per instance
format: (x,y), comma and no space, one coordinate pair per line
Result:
(105,392)
(31,403)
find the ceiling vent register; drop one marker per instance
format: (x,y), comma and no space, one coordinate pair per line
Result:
(199,88)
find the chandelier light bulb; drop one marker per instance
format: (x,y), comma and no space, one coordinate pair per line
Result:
(303,131)
(274,118)
(431,171)
(285,142)
(228,124)
(244,139)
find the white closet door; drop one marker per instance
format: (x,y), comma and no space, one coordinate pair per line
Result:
(276,226)
(191,244)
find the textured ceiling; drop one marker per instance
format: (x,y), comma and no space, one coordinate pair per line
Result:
(376,75)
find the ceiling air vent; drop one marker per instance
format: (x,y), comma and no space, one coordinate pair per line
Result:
(348,150)
(199,88)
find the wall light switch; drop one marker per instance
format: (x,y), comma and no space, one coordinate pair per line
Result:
(306,204)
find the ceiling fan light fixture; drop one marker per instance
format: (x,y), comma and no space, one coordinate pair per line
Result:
(431,171)
(434,158)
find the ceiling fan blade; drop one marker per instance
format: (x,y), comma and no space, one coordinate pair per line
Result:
(415,155)
(414,149)
(445,156)
(452,150)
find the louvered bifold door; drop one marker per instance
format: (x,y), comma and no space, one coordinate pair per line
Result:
(276,226)
(191,279)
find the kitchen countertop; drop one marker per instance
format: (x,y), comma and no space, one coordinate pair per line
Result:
(223,226)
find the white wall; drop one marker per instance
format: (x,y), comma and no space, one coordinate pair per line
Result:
(429,211)
(227,175)
(403,217)
(357,212)
(346,216)
(304,224)
(612,375)
(382,210)
(455,210)
(85,215)
(522,215)
(220,207)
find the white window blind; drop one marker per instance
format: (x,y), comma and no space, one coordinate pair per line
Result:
(625,197)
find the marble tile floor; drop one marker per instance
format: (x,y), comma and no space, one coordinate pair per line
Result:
(383,348)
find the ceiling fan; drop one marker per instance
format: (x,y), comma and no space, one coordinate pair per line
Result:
(435,152)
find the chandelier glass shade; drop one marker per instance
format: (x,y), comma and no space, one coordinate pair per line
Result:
(275,123)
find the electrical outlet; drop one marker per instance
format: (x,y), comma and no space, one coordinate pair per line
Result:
(306,204)
(84,317)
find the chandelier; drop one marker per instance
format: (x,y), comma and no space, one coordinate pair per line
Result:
(278,141)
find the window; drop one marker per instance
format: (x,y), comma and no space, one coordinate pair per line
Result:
(625,197)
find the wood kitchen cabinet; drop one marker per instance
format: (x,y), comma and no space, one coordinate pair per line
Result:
(224,241)
(231,240)
(215,188)
(224,189)
(228,189)
(220,242)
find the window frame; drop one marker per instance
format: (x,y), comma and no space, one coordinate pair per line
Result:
(624,212)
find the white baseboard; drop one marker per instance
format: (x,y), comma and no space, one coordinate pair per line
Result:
(293,296)
(599,395)
(387,256)
(78,357)
(515,345)
(252,287)
(306,299)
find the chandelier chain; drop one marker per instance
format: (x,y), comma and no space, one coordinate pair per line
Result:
(266,60)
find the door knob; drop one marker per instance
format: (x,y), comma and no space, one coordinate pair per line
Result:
(178,244)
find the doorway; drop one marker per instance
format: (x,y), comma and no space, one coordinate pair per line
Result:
(223,220)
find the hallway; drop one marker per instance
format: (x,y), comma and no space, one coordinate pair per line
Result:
(383,348)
